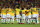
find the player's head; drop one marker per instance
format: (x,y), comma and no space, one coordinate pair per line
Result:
(18,7)
(3,8)
(28,8)
(23,8)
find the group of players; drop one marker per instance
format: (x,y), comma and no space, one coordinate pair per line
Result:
(22,14)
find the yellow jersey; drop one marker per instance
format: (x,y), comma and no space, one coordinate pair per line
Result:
(27,12)
(37,12)
(13,13)
(17,11)
(4,12)
(23,11)
(34,11)
(1,11)
(9,11)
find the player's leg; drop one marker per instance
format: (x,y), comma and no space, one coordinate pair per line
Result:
(26,17)
(4,16)
(12,20)
(23,18)
(34,16)
(20,19)
(1,18)
(17,18)
(37,18)
(29,19)
(8,18)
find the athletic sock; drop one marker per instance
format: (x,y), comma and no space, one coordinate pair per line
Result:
(17,20)
(4,20)
(28,21)
(31,20)
(8,20)
(34,20)
(13,20)
(37,20)
(22,20)
(1,20)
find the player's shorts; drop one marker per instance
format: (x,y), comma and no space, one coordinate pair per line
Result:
(26,17)
(37,15)
(12,17)
(17,16)
(29,16)
(8,15)
(34,15)
(23,16)
(1,16)
(4,16)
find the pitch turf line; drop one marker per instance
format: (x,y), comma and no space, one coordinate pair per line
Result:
(19,25)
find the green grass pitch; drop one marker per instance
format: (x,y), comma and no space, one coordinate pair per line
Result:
(19,25)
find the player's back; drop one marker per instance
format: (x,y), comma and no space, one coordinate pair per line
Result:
(17,11)
(34,11)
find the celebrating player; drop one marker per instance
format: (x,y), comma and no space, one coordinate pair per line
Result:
(34,14)
(18,14)
(37,15)
(23,15)
(12,16)
(4,15)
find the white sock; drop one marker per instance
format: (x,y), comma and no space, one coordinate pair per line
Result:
(4,20)
(31,20)
(34,20)
(17,20)
(13,20)
(24,20)
(37,20)
(1,20)
(28,21)
(9,20)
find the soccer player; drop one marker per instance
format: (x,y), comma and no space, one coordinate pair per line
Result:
(4,15)
(23,15)
(1,15)
(37,15)
(12,16)
(34,14)
(18,14)
(8,15)
(26,13)
(29,16)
